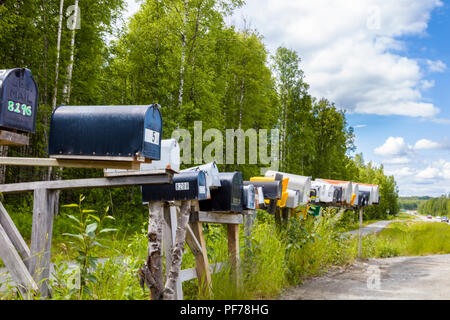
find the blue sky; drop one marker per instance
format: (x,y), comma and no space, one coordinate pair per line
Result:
(387,63)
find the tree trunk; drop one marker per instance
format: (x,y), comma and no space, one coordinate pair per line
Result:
(68,86)
(58,52)
(183,55)
(151,274)
(177,253)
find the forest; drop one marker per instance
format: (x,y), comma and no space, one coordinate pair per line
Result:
(183,56)
(436,206)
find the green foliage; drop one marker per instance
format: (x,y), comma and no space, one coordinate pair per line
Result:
(411,203)
(88,227)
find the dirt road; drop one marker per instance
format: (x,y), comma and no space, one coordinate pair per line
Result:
(410,278)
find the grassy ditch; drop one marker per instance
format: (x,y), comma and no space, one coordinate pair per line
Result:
(411,238)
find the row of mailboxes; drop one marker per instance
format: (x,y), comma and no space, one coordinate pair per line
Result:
(18,100)
(106,131)
(231,196)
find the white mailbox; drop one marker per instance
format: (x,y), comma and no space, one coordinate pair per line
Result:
(296,182)
(170,157)
(293,199)
(212,175)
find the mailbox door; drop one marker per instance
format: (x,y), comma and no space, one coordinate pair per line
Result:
(18,100)
(248,197)
(271,189)
(152,133)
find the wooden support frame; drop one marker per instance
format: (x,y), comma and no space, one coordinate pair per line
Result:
(8,138)
(31,268)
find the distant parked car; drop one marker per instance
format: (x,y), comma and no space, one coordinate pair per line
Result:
(438,217)
(444,219)
(429,217)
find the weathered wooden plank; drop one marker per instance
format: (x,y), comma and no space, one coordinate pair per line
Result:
(169,230)
(214,217)
(41,238)
(80,163)
(14,234)
(149,178)
(197,243)
(8,138)
(15,266)
(192,241)
(189,274)
(120,173)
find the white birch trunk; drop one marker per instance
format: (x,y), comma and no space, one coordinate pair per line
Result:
(58,51)
(151,273)
(177,253)
(68,86)
(183,55)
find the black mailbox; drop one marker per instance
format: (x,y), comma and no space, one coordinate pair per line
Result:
(18,100)
(184,186)
(272,189)
(106,131)
(228,197)
(363,198)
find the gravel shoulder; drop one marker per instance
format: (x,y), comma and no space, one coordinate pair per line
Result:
(400,278)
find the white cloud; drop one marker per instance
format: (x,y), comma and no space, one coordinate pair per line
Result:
(361,126)
(394,146)
(436,66)
(428,173)
(402,172)
(426,145)
(351,52)
(399,160)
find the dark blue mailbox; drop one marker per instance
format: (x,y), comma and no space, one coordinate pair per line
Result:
(106,131)
(18,100)
(184,186)
(228,197)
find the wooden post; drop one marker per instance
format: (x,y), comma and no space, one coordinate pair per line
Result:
(249,218)
(170,227)
(233,250)
(201,256)
(41,238)
(151,273)
(360,231)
